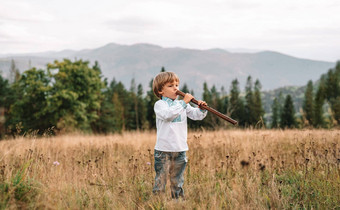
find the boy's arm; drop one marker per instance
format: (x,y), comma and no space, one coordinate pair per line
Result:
(164,112)
(196,113)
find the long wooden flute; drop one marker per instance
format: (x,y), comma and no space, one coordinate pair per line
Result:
(219,114)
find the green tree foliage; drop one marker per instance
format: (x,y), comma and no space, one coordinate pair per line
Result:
(288,113)
(141,123)
(258,107)
(319,101)
(31,109)
(333,91)
(5,92)
(136,105)
(308,103)
(236,109)
(76,94)
(211,121)
(275,114)
(250,101)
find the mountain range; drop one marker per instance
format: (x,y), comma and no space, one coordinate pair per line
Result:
(194,67)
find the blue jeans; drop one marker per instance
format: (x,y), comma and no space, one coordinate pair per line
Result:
(172,163)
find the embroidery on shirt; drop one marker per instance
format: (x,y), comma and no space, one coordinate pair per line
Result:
(172,103)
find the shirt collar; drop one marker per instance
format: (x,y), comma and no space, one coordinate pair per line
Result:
(166,99)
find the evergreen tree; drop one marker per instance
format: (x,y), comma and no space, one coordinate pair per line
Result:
(14,73)
(287,117)
(224,101)
(275,114)
(4,93)
(257,107)
(308,103)
(109,121)
(118,110)
(133,118)
(141,108)
(206,94)
(210,121)
(319,100)
(333,91)
(236,108)
(4,90)
(249,106)
(281,101)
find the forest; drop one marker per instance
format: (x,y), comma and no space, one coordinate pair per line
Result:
(71,96)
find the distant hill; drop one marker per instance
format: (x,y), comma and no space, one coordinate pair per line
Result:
(214,66)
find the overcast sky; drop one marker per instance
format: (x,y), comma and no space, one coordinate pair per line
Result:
(302,28)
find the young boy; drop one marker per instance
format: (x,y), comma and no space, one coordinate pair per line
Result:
(171,123)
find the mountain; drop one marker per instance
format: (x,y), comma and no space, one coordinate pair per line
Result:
(214,66)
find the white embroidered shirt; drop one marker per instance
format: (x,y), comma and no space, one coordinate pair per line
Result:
(171,124)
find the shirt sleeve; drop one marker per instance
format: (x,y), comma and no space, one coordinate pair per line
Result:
(164,112)
(196,113)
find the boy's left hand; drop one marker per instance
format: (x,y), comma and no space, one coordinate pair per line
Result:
(202,103)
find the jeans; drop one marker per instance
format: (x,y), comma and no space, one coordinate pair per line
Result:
(172,163)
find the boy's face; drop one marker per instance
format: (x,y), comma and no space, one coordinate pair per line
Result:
(169,90)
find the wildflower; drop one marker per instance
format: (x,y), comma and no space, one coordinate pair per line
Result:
(56,163)
(148,163)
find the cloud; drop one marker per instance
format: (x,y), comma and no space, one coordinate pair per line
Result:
(132,24)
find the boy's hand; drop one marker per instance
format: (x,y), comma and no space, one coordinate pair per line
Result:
(187,98)
(202,103)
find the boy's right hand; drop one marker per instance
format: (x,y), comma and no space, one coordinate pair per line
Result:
(187,98)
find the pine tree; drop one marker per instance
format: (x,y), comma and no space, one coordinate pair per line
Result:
(275,114)
(236,108)
(288,114)
(216,103)
(258,108)
(14,73)
(141,107)
(249,106)
(318,104)
(133,118)
(224,101)
(308,103)
(334,97)
(118,110)
(207,97)
(4,93)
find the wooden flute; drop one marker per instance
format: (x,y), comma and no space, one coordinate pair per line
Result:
(219,114)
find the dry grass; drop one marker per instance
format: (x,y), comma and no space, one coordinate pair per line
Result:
(232,169)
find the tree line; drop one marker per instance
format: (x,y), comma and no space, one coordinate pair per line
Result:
(73,95)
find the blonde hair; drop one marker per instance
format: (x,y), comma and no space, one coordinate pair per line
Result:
(161,79)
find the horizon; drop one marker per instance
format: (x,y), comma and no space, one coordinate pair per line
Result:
(229,50)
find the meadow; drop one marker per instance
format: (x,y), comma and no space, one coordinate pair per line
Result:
(227,169)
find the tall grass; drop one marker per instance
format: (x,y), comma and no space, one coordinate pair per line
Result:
(232,169)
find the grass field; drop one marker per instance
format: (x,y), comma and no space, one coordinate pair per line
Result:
(231,169)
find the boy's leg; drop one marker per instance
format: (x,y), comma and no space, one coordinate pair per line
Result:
(177,167)
(161,169)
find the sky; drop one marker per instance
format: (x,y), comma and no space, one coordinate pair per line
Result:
(301,28)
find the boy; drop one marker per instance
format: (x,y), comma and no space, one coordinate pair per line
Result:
(171,123)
